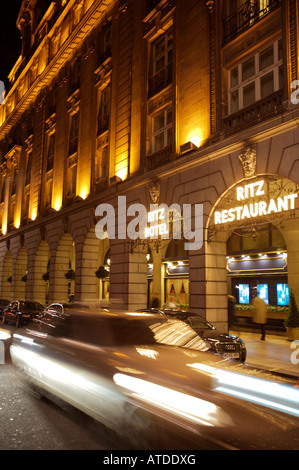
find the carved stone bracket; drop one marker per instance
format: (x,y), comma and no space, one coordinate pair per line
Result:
(73,102)
(51,124)
(13,159)
(103,74)
(248,159)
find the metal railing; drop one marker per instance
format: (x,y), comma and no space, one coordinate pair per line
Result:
(255,113)
(160,80)
(159,158)
(246,16)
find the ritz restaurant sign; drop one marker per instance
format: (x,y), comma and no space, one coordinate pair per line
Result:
(256,200)
(252,205)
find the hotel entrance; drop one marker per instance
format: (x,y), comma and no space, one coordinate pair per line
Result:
(172,273)
(258,261)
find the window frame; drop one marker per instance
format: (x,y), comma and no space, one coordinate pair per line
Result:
(163,129)
(256,78)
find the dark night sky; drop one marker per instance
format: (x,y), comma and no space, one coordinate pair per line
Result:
(10,38)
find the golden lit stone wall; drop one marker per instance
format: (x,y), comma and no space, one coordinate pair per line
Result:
(193,73)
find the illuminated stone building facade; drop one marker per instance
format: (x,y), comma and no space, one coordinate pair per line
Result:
(112,98)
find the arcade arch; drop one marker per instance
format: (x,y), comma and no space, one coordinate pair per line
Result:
(6,287)
(41,273)
(21,275)
(95,265)
(65,266)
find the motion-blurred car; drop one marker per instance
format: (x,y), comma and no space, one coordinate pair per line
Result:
(20,312)
(121,370)
(226,345)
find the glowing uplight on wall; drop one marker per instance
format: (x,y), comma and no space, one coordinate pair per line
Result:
(83,193)
(122,173)
(195,141)
(4,228)
(17,219)
(34,213)
(57,205)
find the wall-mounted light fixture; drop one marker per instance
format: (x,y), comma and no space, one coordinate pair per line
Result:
(115,179)
(188,147)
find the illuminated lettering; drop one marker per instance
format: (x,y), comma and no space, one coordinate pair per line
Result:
(250,190)
(255,209)
(272,207)
(292,197)
(260,191)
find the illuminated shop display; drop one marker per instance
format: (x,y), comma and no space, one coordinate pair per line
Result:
(282,294)
(244,294)
(262,290)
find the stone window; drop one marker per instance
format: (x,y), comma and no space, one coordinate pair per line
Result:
(257,77)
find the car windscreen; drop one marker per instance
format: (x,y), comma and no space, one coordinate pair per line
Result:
(110,331)
(198,322)
(195,321)
(104,331)
(30,307)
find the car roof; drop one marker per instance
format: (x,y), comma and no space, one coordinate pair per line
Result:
(168,310)
(79,309)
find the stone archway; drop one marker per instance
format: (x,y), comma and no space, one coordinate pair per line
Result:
(7,276)
(94,252)
(21,275)
(65,266)
(41,273)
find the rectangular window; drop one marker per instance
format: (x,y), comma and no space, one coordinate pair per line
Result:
(50,154)
(71,176)
(162,51)
(102,163)
(256,78)
(26,201)
(160,73)
(104,110)
(2,190)
(14,182)
(74,132)
(267,85)
(28,168)
(162,129)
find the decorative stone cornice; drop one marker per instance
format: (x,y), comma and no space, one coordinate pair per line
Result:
(64,53)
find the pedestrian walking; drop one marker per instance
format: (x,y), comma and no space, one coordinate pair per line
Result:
(259,313)
(231,302)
